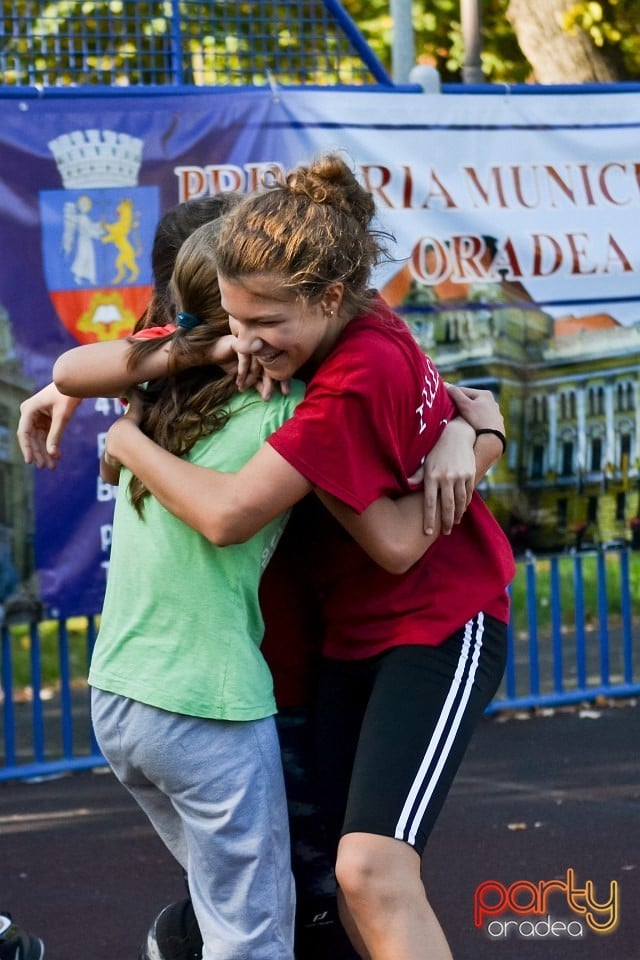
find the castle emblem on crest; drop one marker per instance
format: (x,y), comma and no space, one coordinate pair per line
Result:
(97,233)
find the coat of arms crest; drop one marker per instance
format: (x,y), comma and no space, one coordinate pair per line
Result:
(97,234)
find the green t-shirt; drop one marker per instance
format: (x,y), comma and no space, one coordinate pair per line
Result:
(181,624)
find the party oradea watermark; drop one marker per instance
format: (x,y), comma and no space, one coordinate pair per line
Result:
(560,908)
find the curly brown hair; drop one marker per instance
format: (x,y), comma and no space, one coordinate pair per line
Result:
(312,227)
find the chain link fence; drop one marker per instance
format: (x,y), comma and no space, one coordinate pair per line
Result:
(126,44)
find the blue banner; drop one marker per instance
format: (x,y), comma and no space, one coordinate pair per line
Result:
(533,197)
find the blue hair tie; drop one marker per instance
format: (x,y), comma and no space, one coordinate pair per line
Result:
(187,321)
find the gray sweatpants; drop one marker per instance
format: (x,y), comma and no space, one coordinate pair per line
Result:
(214,792)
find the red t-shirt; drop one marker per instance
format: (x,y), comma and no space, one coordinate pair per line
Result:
(370,415)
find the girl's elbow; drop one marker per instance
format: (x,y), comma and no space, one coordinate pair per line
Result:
(402,557)
(223,538)
(222,530)
(399,565)
(218,513)
(396,561)
(59,375)
(63,378)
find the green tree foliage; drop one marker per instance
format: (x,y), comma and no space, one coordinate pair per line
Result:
(438,37)
(611,27)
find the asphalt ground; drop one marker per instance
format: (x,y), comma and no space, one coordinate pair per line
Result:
(539,797)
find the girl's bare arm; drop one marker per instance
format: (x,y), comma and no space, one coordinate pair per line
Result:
(102,369)
(229,508)
(392,531)
(225,508)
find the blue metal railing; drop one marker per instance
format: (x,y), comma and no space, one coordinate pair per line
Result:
(173,44)
(46,728)
(571,639)
(585,648)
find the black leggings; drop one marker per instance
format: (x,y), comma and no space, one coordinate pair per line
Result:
(392,730)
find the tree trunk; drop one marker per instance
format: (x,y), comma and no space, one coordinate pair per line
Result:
(555,55)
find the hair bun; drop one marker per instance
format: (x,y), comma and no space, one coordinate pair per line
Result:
(330,181)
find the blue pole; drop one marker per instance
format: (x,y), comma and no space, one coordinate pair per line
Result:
(510,670)
(603,616)
(66,717)
(625,600)
(532,619)
(36,687)
(7,707)
(578,587)
(358,42)
(556,626)
(176,45)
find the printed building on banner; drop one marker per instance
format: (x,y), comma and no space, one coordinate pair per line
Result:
(97,234)
(569,390)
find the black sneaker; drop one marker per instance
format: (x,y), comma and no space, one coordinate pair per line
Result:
(16,943)
(319,933)
(173,935)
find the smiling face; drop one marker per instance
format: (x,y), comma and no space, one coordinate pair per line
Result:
(282,332)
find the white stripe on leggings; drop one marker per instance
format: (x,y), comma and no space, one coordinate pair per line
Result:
(439,731)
